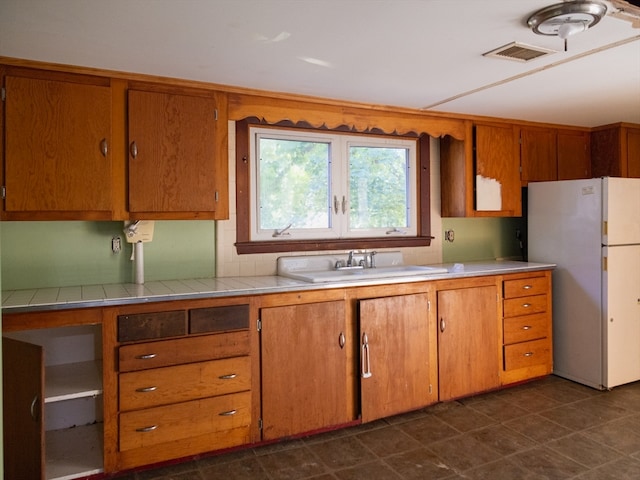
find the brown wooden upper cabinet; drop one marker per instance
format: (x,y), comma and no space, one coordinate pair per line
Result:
(574,156)
(481,177)
(615,150)
(548,154)
(538,155)
(58,151)
(176,166)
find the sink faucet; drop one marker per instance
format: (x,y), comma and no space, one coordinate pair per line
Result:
(350,259)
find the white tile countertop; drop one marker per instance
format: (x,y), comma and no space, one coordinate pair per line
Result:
(128,293)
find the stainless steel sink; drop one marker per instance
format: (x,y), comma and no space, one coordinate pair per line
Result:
(319,268)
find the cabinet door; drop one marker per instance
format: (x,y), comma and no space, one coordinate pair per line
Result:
(538,157)
(57,156)
(574,158)
(172,154)
(468,341)
(633,152)
(497,171)
(304,368)
(23,404)
(396,347)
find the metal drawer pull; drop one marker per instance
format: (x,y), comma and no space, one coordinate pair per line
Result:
(366,363)
(341,340)
(35,412)
(227,377)
(528,354)
(147,356)
(527,327)
(443,325)
(526,305)
(146,389)
(150,428)
(527,287)
(228,413)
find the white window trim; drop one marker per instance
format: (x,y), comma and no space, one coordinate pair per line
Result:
(339,147)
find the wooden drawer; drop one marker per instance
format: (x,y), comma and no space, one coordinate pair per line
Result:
(163,353)
(171,423)
(218,319)
(526,287)
(521,355)
(162,386)
(526,327)
(147,326)
(514,307)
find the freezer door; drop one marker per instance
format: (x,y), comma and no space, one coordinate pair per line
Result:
(621,314)
(621,211)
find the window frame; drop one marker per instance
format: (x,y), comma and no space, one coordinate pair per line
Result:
(338,150)
(244,244)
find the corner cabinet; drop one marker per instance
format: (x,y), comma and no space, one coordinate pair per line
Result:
(53,397)
(615,150)
(176,166)
(480,177)
(57,146)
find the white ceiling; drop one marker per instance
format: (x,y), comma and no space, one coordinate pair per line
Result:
(405,53)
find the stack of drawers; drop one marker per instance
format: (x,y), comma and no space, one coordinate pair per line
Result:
(184,376)
(527,327)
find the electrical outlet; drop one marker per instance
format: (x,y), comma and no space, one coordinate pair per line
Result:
(116,244)
(449,235)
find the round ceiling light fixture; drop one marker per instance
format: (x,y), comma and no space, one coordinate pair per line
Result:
(566,19)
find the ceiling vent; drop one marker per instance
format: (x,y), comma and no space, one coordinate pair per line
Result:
(519,52)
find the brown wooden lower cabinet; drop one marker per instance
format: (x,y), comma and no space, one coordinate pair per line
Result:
(468,339)
(304,368)
(315,360)
(397,355)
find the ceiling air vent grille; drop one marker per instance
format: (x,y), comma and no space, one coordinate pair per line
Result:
(519,52)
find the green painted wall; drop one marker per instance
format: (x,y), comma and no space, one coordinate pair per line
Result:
(58,254)
(482,239)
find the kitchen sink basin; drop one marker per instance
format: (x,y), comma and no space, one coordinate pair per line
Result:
(307,270)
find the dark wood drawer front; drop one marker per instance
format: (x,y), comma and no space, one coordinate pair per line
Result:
(219,319)
(147,326)
(140,356)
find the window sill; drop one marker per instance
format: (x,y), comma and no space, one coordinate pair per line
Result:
(334,244)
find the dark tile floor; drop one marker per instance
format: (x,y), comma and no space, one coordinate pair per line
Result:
(547,429)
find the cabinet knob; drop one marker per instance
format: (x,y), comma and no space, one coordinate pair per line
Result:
(526,327)
(104,147)
(133,149)
(341,340)
(443,325)
(526,305)
(528,354)
(527,287)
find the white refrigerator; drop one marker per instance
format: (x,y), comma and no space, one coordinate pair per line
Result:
(591,230)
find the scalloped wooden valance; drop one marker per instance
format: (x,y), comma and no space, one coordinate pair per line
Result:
(329,115)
